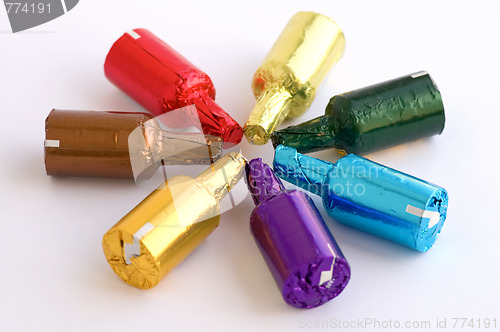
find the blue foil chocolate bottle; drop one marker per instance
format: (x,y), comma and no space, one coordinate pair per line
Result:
(370,196)
(300,251)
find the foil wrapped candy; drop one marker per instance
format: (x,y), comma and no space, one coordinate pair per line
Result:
(161,80)
(286,82)
(130,145)
(368,196)
(371,118)
(162,230)
(302,255)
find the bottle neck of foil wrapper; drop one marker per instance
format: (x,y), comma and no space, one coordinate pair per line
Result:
(303,171)
(150,146)
(261,181)
(215,121)
(223,175)
(270,111)
(178,148)
(313,135)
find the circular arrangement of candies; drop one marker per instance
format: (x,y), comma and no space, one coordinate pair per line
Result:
(301,253)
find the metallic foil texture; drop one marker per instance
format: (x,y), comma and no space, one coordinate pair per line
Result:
(300,251)
(119,145)
(161,80)
(170,223)
(372,118)
(286,82)
(369,196)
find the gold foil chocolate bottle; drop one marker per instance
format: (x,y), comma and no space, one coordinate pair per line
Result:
(170,223)
(286,82)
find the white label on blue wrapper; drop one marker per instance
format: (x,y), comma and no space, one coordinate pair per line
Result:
(433,216)
(134,249)
(326,276)
(134,34)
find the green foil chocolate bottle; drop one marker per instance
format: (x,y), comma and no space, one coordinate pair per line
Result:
(372,118)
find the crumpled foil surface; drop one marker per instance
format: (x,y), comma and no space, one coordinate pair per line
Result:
(162,80)
(286,82)
(302,255)
(369,196)
(372,118)
(170,223)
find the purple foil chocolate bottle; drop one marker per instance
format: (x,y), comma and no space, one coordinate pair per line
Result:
(300,251)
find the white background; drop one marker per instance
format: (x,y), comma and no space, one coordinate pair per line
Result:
(53,274)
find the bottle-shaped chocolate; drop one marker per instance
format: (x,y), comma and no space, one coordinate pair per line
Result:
(170,223)
(286,82)
(300,251)
(162,80)
(119,145)
(369,196)
(372,118)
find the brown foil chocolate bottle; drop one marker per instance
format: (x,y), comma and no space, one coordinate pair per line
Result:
(109,144)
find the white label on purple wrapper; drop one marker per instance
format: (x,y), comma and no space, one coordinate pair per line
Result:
(326,276)
(134,249)
(433,216)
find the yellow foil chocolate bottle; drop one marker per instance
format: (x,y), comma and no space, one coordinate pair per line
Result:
(286,82)
(170,223)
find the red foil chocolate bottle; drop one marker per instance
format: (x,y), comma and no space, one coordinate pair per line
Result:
(161,80)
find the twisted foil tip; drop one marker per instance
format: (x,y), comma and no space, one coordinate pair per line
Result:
(304,171)
(261,181)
